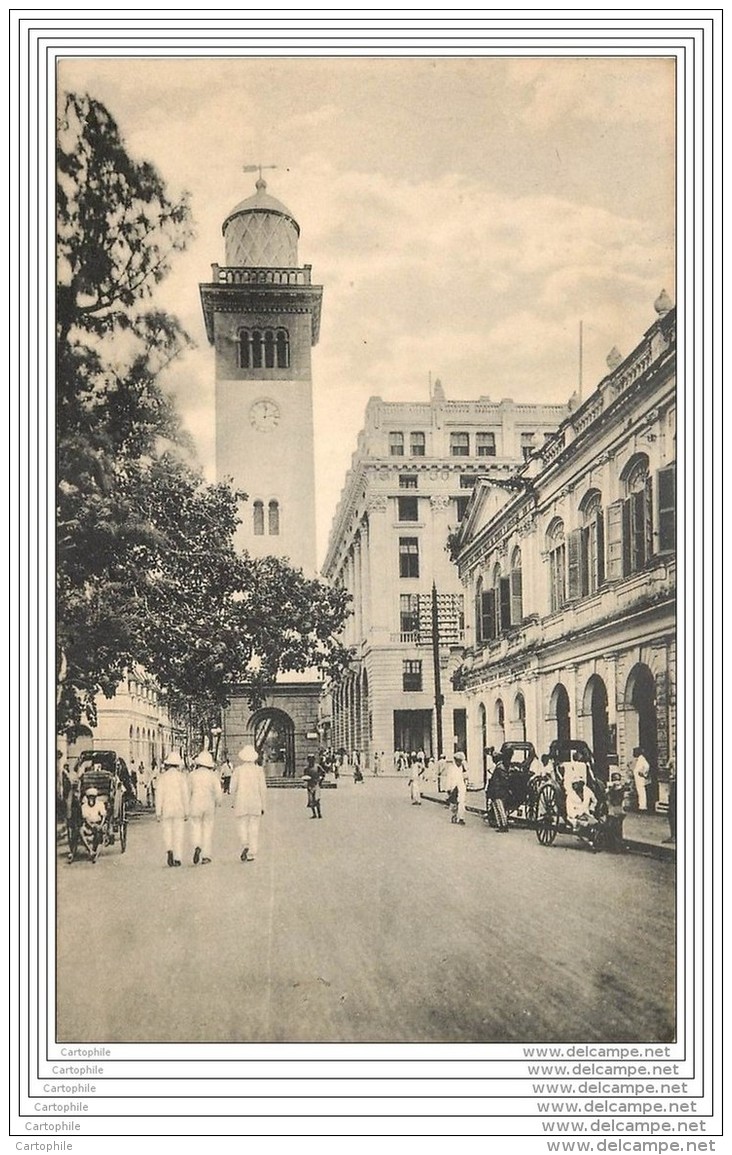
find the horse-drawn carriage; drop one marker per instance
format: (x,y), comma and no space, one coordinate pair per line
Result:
(96,803)
(573,799)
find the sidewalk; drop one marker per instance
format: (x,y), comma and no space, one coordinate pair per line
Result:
(643,833)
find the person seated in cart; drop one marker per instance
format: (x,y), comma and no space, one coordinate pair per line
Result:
(581,804)
(95,796)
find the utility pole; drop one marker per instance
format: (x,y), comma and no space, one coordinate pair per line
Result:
(439,700)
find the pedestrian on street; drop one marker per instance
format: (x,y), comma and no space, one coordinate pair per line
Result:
(497,792)
(172,806)
(226,771)
(615,795)
(249,793)
(205,795)
(455,781)
(416,775)
(313,777)
(642,778)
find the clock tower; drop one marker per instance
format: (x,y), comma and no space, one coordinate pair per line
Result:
(262,316)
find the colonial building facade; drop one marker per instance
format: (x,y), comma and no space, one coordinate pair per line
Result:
(409,485)
(570,574)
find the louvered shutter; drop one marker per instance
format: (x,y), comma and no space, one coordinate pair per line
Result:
(573,563)
(505,607)
(667,509)
(600,547)
(615,552)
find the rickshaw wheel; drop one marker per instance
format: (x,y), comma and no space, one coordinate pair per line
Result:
(547,814)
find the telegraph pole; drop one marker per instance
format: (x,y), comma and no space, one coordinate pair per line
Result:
(436,664)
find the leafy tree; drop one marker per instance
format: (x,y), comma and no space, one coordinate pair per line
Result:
(146,567)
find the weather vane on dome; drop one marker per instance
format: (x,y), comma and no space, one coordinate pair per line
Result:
(257,168)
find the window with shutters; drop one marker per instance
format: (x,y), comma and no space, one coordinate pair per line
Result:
(396,444)
(556,555)
(527,445)
(637,515)
(273,518)
(258,517)
(417,444)
(517,600)
(667,509)
(502,602)
(485,613)
(591,544)
(408,557)
(411,676)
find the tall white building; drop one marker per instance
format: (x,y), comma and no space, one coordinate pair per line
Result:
(409,484)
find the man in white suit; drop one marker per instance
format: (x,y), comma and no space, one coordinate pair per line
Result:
(248,791)
(205,794)
(172,806)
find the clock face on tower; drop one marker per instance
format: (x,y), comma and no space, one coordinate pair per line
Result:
(264,415)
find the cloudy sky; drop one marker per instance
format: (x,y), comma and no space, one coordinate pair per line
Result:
(463,215)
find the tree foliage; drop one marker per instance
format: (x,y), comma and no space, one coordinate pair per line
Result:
(147,571)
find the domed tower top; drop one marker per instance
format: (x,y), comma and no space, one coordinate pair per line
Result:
(261,232)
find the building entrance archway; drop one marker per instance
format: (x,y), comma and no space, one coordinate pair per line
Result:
(559,710)
(272,733)
(596,705)
(641,722)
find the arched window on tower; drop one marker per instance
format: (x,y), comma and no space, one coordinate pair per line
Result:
(258,514)
(274,518)
(245,349)
(264,349)
(283,349)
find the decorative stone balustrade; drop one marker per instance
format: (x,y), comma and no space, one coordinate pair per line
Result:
(239,275)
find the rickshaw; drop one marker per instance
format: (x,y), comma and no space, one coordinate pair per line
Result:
(97,804)
(512,789)
(571,768)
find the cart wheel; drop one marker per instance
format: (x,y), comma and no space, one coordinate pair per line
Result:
(547,815)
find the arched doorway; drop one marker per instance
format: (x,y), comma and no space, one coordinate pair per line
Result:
(500,725)
(519,719)
(595,704)
(641,721)
(272,733)
(559,710)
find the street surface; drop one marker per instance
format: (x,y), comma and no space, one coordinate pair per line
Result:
(381,923)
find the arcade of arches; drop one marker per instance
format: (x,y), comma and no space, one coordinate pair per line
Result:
(583,709)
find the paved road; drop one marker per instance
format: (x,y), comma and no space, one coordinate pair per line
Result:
(381,923)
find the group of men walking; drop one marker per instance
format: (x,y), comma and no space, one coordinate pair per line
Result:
(194,796)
